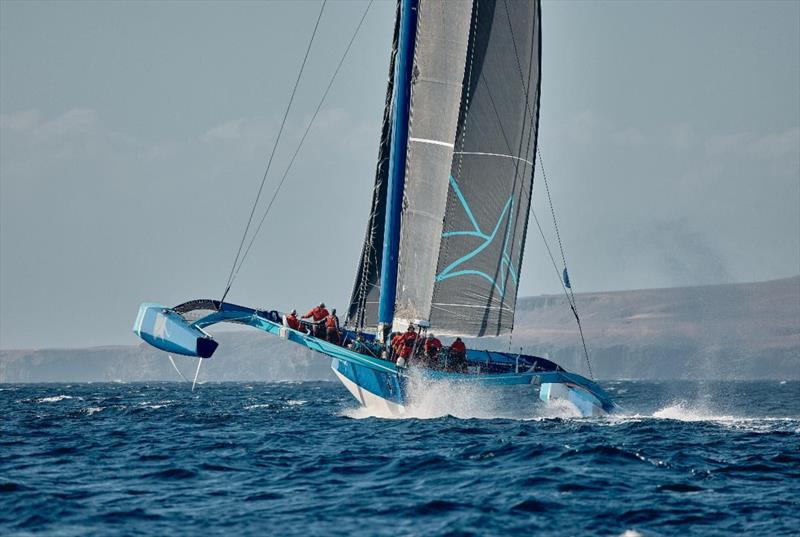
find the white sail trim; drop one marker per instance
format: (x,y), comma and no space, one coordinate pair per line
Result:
(434,142)
(479,153)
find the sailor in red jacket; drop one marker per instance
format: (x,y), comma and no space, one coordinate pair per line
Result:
(408,341)
(332,327)
(317,316)
(291,320)
(394,345)
(432,348)
(458,356)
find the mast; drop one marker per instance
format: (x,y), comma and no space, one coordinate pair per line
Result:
(397,163)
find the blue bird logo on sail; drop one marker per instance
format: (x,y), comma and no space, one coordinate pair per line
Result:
(456,269)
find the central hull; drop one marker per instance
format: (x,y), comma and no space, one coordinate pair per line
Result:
(389,393)
(386,403)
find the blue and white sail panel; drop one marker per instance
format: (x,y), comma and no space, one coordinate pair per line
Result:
(442,36)
(491,178)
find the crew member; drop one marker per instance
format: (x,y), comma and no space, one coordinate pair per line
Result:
(394,344)
(332,327)
(291,320)
(407,344)
(358,345)
(432,348)
(317,316)
(458,356)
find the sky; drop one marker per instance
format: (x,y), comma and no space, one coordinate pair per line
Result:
(134,135)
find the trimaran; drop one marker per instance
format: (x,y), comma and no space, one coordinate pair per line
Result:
(446,232)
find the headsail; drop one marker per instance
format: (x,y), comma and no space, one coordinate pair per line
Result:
(469,169)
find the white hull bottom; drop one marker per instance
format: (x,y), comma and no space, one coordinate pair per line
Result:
(372,402)
(584,402)
(587,404)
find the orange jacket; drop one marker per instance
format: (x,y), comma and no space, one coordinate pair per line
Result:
(409,338)
(292,322)
(396,341)
(407,345)
(317,314)
(458,347)
(331,321)
(432,346)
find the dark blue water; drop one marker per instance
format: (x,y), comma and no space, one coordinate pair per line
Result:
(299,459)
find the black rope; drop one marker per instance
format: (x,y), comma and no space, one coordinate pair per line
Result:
(231,275)
(302,140)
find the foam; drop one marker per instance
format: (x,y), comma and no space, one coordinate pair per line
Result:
(683,411)
(432,399)
(53,399)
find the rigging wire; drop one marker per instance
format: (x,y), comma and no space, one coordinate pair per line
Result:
(302,140)
(231,275)
(568,291)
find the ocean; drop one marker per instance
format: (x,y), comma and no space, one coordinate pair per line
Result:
(683,458)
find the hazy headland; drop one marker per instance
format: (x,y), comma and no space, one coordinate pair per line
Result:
(730,331)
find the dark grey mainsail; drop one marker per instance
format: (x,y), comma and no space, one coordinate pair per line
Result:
(469,170)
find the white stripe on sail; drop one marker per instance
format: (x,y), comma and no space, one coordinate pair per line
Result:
(434,142)
(492,155)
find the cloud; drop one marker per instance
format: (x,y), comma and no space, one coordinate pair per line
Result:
(628,137)
(682,254)
(777,145)
(333,128)
(29,138)
(230,130)
(681,136)
(20,121)
(769,146)
(74,122)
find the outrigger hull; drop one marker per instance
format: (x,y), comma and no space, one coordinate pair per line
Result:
(376,383)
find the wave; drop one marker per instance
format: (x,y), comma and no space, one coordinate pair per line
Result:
(54,399)
(469,402)
(684,411)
